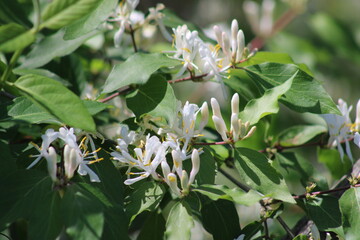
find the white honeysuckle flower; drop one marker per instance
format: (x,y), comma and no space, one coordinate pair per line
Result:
(126,137)
(238,130)
(172,181)
(232,46)
(260,18)
(146,160)
(357,139)
(125,15)
(52,163)
(357,119)
(47,138)
(195,159)
(75,156)
(340,128)
(155,14)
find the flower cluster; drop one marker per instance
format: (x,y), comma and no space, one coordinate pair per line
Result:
(200,58)
(75,156)
(150,153)
(127,18)
(341,128)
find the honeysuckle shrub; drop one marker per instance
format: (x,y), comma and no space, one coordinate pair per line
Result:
(95,143)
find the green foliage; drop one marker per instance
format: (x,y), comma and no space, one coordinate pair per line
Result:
(56,99)
(14,36)
(179,222)
(128,73)
(298,135)
(60,13)
(257,173)
(350,209)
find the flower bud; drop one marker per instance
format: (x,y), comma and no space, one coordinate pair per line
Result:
(235,104)
(220,127)
(177,162)
(215,108)
(218,34)
(235,127)
(51,163)
(234,31)
(166,170)
(204,116)
(240,45)
(172,179)
(184,181)
(357,120)
(70,161)
(195,159)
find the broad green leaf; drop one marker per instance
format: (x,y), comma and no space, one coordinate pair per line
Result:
(179,222)
(145,197)
(298,135)
(91,21)
(324,212)
(57,100)
(256,172)
(82,213)
(331,159)
(136,70)
(154,227)
(7,161)
(15,37)
(301,237)
(94,107)
(251,229)
(265,105)
(42,72)
(25,110)
(350,209)
(293,167)
(216,192)
(155,98)
(13,11)
(220,219)
(43,214)
(305,94)
(51,47)
(60,13)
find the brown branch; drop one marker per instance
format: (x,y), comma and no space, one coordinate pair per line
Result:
(121,91)
(259,42)
(188,78)
(312,194)
(132,31)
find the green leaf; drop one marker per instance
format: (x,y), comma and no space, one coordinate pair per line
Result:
(145,197)
(298,135)
(94,107)
(156,98)
(91,21)
(51,47)
(256,172)
(82,213)
(331,158)
(301,237)
(136,70)
(13,11)
(25,110)
(43,214)
(220,219)
(216,192)
(179,222)
(350,209)
(265,105)
(14,37)
(60,13)
(324,212)
(154,228)
(7,161)
(57,100)
(293,167)
(305,94)
(251,229)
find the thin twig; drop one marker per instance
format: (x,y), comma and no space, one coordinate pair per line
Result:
(188,78)
(266,230)
(8,95)
(259,42)
(236,182)
(121,91)
(213,143)
(285,226)
(311,194)
(132,31)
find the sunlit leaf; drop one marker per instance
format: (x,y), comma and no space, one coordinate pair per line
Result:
(179,222)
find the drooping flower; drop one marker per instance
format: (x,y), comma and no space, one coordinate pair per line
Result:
(156,14)
(340,128)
